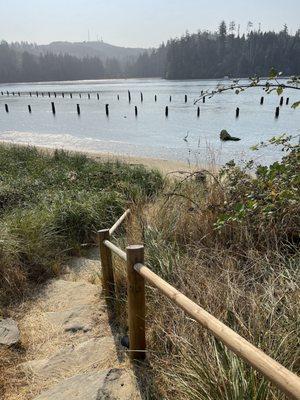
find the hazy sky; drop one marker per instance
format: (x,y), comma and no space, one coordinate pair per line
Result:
(144,23)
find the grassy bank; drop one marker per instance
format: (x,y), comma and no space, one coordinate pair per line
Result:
(229,241)
(52,204)
(231,244)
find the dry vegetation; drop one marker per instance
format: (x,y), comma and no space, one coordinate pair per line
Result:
(229,241)
(239,263)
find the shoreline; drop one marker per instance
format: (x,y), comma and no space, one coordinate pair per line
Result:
(163,165)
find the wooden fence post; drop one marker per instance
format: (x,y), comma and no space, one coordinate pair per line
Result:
(136,303)
(108,280)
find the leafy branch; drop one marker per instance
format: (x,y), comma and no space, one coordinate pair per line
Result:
(272,84)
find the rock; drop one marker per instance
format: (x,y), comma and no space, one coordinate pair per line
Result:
(125,341)
(72,359)
(112,384)
(76,327)
(9,332)
(225,136)
(85,268)
(75,319)
(62,295)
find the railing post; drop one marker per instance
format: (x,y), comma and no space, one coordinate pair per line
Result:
(108,281)
(136,303)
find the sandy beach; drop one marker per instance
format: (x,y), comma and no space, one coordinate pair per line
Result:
(163,165)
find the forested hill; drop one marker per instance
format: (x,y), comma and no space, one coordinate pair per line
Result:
(97,49)
(200,55)
(204,55)
(219,54)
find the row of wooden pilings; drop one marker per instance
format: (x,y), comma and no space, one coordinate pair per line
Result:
(62,94)
(55,94)
(53,109)
(237,111)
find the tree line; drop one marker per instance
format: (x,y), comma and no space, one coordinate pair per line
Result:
(201,55)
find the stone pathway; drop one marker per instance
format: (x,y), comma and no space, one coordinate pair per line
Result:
(71,351)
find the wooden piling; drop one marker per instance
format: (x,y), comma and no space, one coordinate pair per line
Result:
(262,100)
(118,97)
(203,99)
(89,96)
(107,109)
(29,109)
(98,96)
(185,98)
(287,101)
(30,94)
(136,303)
(142,97)
(170,99)
(42,94)
(71,95)
(237,112)
(80,95)
(6,108)
(277,112)
(53,107)
(108,280)
(198,112)
(155,98)
(281,100)
(78,109)
(19,94)
(167,111)
(136,111)
(63,95)
(129,96)
(54,94)
(37,94)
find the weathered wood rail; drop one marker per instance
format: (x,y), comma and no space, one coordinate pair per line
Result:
(138,274)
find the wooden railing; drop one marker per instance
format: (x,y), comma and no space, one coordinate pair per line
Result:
(138,273)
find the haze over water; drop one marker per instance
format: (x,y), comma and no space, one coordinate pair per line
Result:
(181,136)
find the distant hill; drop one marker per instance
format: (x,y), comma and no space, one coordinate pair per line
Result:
(83,49)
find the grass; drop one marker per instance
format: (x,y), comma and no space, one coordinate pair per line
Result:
(229,241)
(242,268)
(52,204)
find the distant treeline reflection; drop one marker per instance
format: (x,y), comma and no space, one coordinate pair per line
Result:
(200,55)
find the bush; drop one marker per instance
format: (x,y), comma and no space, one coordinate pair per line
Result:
(50,205)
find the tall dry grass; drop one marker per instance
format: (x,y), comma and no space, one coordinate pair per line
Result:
(244,272)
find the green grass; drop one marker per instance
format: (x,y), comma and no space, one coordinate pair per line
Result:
(50,205)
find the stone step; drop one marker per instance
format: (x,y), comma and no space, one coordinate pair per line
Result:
(112,384)
(62,294)
(73,359)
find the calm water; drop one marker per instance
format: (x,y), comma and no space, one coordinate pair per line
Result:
(150,134)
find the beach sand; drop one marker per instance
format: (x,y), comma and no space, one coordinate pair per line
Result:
(163,165)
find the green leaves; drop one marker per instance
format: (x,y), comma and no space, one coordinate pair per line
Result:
(273,73)
(279,90)
(271,197)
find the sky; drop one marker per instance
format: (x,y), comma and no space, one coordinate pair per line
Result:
(136,23)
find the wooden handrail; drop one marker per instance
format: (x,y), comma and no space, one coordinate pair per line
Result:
(115,249)
(118,223)
(284,379)
(137,273)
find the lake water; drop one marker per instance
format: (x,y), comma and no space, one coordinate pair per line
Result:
(181,136)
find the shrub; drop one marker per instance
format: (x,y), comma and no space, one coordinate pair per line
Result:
(52,204)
